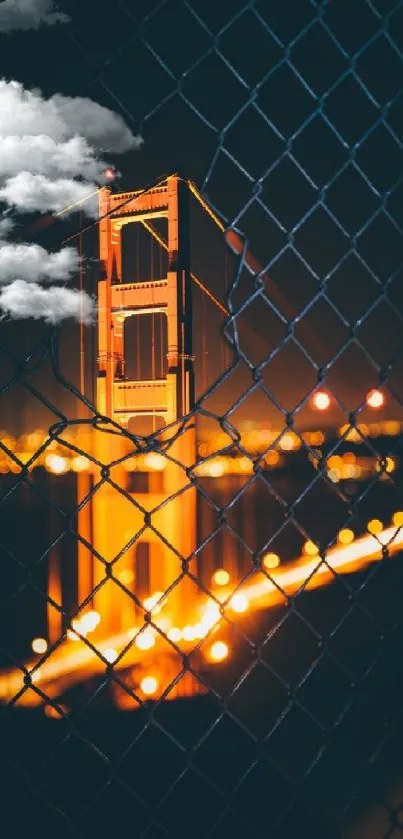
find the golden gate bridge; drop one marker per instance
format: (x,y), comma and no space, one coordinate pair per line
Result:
(146,628)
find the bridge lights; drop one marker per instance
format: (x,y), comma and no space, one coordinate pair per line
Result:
(397,519)
(218,651)
(310,549)
(239,603)
(321,400)
(271,560)
(149,685)
(221,577)
(345,536)
(39,646)
(375,399)
(145,640)
(375,526)
(110,655)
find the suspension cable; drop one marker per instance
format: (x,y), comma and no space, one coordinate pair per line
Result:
(195,279)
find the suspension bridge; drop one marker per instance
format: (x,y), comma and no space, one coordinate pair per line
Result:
(141,605)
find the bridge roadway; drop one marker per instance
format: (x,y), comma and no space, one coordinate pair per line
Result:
(71,662)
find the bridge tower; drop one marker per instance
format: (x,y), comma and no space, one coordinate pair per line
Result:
(116,513)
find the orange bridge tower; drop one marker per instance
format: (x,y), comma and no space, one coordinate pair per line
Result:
(142,537)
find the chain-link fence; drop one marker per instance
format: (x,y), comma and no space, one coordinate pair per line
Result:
(276,709)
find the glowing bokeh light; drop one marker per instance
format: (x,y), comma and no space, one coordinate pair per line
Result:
(346,536)
(397,519)
(39,646)
(111,655)
(145,640)
(155,461)
(375,399)
(321,400)
(110,173)
(57,464)
(149,685)
(375,526)
(218,651)
(239,603)
(174,634)
(188,633)
(221,577)
(150,603)
(271,560)
(310,549)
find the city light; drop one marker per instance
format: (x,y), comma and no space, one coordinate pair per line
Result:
(221,577)
(211,614)
(150,603)
(288,442)
(310,549)
(218,651)
(174,634)
(110,654)
(57,464)
(239,603)
(39,646)
(321,400)
(374,526)
(145,640)
(156,462)
(78,662)
(375,399)
(215,469)
(149,685)
(397,519)
(346,536)
(36,676)
(271,560)
(89,622)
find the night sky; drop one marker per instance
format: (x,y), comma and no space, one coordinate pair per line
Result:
(288,117)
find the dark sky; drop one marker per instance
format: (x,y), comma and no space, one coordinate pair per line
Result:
(288,116)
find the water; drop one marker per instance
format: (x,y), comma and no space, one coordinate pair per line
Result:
(304,727)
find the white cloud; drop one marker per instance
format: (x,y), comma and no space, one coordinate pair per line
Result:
(27,112)
(30,193)
(42,155)
(48,147)
(32,263)
(49,160)
(21,300)
(28,14)
(100,126)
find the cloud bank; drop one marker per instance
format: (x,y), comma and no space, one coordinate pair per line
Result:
(32,263)
(29,14)
(27,193)
(50,148)
(50,158)
(21,300)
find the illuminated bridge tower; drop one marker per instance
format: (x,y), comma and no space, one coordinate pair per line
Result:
(170,533)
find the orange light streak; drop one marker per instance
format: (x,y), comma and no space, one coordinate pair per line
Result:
(72,662)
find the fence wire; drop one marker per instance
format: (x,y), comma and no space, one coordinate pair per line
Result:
(288,118)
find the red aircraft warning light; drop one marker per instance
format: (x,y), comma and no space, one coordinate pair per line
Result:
(110,173)
(375,399)
(321,400)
